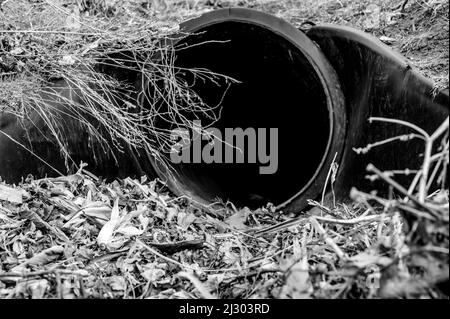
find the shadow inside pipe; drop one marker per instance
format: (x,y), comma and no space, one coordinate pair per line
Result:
(278,89)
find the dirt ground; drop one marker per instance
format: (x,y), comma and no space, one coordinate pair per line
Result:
(417,29)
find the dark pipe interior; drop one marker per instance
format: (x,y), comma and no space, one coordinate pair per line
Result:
(278,89)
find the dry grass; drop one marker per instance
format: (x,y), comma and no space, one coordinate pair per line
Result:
(52,41)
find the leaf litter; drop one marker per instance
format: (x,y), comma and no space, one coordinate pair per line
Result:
(78,236)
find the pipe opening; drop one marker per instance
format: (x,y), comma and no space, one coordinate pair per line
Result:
(279,89)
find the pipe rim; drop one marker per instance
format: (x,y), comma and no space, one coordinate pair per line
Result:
(328,78)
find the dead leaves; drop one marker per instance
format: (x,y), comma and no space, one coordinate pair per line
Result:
(297,285)
(238,219)
(121,227)
(107,231)
(77,236)
(153,272)
(41,259)
(204,292)
(366,259)
(10,194)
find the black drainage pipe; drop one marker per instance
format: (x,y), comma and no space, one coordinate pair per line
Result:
(27,146)
(317,88)
(378,82)
(285,83)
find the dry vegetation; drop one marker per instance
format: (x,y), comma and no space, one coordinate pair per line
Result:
(44,41)
(77,236)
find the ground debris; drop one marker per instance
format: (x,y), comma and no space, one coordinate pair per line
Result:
(78,236)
